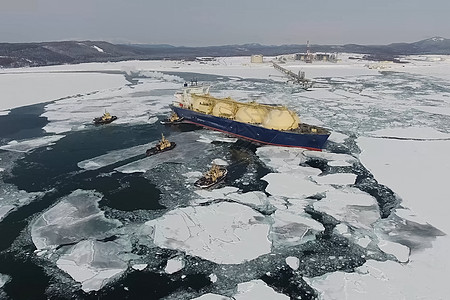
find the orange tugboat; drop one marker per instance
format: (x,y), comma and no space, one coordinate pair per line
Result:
(215,175)
(172,120)
(105,119)
(163,146)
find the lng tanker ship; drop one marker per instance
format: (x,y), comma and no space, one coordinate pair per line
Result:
(260,123)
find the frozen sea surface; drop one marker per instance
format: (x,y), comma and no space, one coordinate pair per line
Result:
(90,217)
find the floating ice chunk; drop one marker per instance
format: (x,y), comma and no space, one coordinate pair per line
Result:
(364,241)
(92,263)
(174,265)
(281,159)
(4,279)
(401,252)
(336,179)
(211,296)
(5,210)
(293,227)
(213,278)
(341,228)
(11,198)
(225,233)
(220,162)
(74,218)
(337,137)
(113,157)
(213,136)
(257,289)
(290,185)
(293,262)
(221,193)
(29,145)
(351,206)
(139,267)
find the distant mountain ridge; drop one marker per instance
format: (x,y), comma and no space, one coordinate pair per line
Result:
(73,52)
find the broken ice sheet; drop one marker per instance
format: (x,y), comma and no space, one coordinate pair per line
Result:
(31,144)
(225,233)
(12,198)
(351,206)
(4,279)
(76,217)
(93,263)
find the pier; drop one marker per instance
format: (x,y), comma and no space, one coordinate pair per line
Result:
(296,78)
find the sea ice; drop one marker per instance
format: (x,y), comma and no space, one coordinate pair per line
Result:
(291,186)
(11,198)
(401,252)
(4,279)
(139,267)
(225,233)
(210,296)
(257,289)
(76,217)
(293,227)
(174,265)
(336,179)
(29,145)
(293,262)
(351,206)
(92,263)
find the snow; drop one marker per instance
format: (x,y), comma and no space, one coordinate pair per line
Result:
(98,49)
(225,233)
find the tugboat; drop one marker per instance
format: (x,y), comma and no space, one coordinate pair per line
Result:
(172,120)
(105,119)
(215,175)
(163,146)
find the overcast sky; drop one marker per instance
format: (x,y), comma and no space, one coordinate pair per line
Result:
(214,22)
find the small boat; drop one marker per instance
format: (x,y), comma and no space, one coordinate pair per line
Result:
(172,120)
(105,119)
(215,175)
(163,146)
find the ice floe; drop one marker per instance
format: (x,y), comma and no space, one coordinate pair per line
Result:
(76,217)
(351,206)
(401,252)
(226,233)
(4,279)
(293,262)
(31,144)
(174,265)
(257,289)
(292,185)
(11,198)
(92,263)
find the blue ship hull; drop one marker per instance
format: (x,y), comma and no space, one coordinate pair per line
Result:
(254,133)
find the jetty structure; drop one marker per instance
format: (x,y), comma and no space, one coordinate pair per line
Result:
(296,78)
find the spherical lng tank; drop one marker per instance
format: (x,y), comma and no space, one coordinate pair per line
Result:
(203,104)
(281,119)
(224,108)
(251,113)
